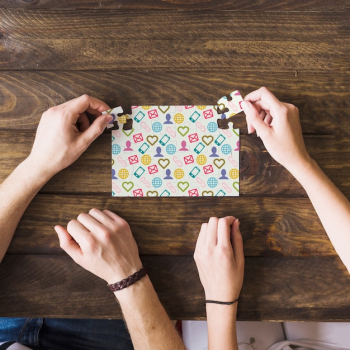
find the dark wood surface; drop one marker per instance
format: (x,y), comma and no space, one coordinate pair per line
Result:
(143,52)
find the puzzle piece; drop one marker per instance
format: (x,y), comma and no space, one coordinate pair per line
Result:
(165,151)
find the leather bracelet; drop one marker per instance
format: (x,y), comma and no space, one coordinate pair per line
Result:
(126,282)
(220,302)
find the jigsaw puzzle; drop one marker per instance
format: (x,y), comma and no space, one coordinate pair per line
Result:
(170,151)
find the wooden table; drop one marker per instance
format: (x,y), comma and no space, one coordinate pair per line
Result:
(152,52)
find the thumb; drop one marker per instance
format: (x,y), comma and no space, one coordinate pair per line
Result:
(68,244)
(254,119)
(96,128)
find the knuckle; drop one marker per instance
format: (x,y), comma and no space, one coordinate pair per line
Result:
(93,210)
(81,216)
(85,97)
(105,234)
(71,224)
(214,219)
(99,129)
(264,89)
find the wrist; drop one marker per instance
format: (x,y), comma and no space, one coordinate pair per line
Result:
(299,168)
(142,286)
(35,176)
(37,170)
(217,311)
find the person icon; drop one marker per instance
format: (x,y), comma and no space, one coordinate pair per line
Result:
(158,154)
(167,173)
(168,117)
(223,175)
(237,149)
(127,146)
(114,177)
(183,146)
(213,150)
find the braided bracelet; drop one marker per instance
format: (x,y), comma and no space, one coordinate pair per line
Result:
(220,302)
(126,282)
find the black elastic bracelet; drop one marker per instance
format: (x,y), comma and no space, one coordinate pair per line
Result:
(220,302)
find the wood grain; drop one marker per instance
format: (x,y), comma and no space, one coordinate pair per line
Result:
(260,175)
(323,98)
(256,5)
(175,25)
(170,226)
(274,289)
(160,55)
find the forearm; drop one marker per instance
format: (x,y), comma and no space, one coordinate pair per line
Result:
(147,321)
(222,327)
(16,192)
(331,206)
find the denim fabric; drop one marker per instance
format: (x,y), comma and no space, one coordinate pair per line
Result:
(66,334)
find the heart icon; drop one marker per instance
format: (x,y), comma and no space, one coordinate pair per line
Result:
(219,163)
(183,130)
(164,162)
(208,193)
(128,132)
(152,194)
(163,109)
(152,139)
(183,186)
(208,139)
(235,185)
(127,185)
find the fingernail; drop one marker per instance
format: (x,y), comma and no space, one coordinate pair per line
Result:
(109,118)
(245,105)
(238,223)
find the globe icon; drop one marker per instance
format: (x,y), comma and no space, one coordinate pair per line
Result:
(226,149)
(116,149)
(170,149)
(157,127)
(157,182)
(212,127)
(212,182)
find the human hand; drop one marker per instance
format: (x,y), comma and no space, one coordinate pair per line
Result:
(102,243)
(278,125)
(64,133)
(220,259)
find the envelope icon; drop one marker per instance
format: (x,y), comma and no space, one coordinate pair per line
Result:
(208,113)
(133,159)
(137,193)
(152,169)
(152,114)
(193,193)
(188,159)
(208,169)
(193,137)
(138,138)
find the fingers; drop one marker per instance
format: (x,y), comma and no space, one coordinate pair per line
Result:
(83,122)
(224,230)
(86,103)
(90,223)
(212,232)
(80,234)
(95,129)
(102,218)
(116,218)
(237,243)
(68,244)
(253,118)
(201,237)
(264,95)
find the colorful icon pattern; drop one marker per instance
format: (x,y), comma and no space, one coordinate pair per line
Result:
(173,151)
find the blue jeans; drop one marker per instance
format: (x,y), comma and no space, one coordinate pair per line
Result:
(66,334)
